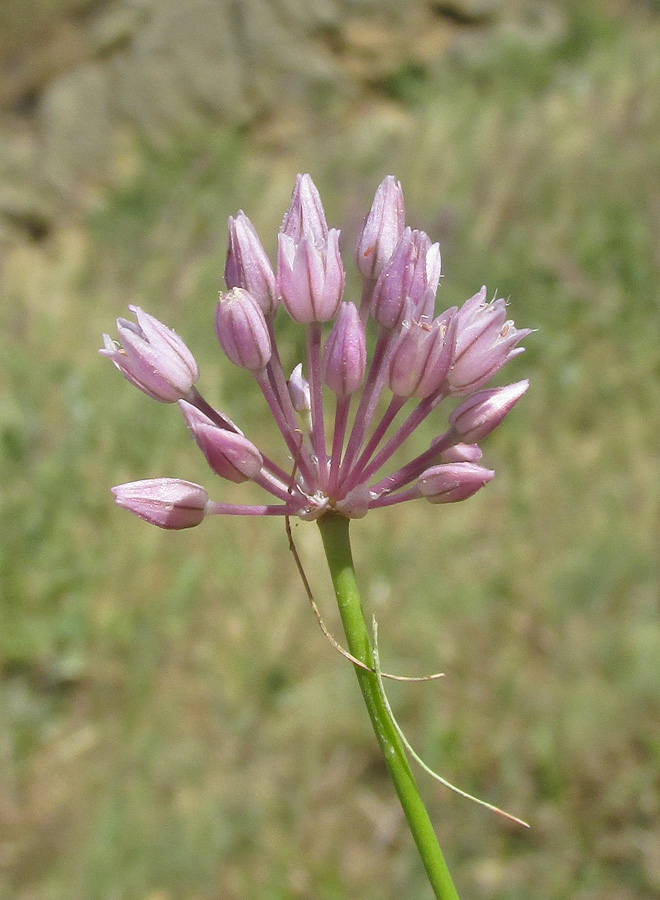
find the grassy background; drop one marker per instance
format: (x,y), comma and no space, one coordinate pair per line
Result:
(172,723)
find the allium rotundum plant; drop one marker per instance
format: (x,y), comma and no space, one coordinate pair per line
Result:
(342,415)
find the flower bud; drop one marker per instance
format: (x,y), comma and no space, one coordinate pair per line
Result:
(381,230)
(166,502)
(422,354)
(345,353)
(482,412)
(310,277)
(242,330)
(453,481)
(405,277)
(248,265)
(484,342)
(152,357)
(305,216)
(230,455)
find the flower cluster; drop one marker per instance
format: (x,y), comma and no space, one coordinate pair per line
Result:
(419,358)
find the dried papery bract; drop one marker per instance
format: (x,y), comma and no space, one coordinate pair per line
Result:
(299,390)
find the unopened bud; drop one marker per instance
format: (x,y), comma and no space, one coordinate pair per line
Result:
(381,230)
(242,330)
(461,453)
(404,278)
(230,455)
(305,215)
(152,357)
(248,265)
(167,502)
(452,482)
(345,353)
(310,277)
(422,354)
(482,412)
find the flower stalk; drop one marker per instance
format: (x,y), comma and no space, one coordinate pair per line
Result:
(334,530)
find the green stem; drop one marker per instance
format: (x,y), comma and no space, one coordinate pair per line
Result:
(334,533)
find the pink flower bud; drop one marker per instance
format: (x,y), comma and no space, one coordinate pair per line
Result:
(242,330)
(345,353)
(305,216)
(422,354)
(482,412)
(152,357)
(248,265)
(406,277)
(453,481)
(299,391)
(310,277)
(485,340)
(381,230)
(231,456)
(166,502)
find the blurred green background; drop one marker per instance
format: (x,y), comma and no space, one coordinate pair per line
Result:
(172,722)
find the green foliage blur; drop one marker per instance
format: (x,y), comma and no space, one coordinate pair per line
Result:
(172,722)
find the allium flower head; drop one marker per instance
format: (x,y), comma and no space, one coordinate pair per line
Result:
(342,416)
